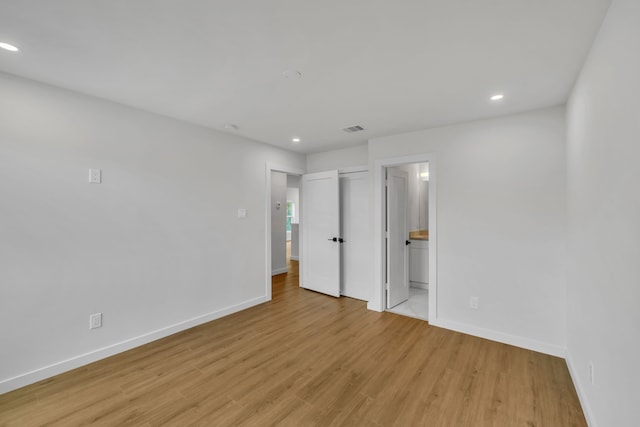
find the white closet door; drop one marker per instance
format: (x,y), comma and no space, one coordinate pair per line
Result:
(357,274)
(320,222)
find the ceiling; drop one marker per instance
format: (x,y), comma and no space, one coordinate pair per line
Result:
(388,66)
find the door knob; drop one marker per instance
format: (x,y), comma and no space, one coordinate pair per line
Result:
(334,239)
(407,242)
(341,240)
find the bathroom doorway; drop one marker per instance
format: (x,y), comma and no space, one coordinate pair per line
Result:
(420,235)
(407,239)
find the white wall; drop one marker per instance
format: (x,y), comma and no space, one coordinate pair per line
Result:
(337,159)
(278,222)
(500,224)
(603,121)
(157,245)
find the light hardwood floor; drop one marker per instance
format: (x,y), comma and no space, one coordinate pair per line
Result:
(307,359)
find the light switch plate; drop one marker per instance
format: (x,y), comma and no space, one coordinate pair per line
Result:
(95,321)
(95,176)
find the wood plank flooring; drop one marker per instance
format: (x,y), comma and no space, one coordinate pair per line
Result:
(306,359)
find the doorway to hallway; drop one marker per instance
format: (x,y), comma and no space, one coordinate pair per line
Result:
(277,261)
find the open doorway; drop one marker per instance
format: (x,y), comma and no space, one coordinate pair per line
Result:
(417,241)
(282,213)
(285,204)
(407,240)
(292,224)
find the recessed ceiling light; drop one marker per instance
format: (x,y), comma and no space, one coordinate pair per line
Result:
(497,97)
(10,47)
(295,140)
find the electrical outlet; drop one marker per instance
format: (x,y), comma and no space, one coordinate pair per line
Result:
(95,321)
(473,303)
(591,373)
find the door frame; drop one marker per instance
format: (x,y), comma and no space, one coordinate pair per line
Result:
(378,303)
(271,167)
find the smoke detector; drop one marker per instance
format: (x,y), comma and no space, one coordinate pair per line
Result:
(292,74)
(352,129)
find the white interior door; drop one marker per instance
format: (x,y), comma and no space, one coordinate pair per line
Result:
(320,222)
(397,235)
(357,271)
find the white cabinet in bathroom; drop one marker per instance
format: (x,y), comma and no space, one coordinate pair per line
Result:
(419,263)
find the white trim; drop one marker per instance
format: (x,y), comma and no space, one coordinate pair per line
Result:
(295,258)
(582,396)
(354,169)
(279,271)
(269,167)
(36,375)
(377,301)
(527,343)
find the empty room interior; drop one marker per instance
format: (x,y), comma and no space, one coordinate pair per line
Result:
(409,213)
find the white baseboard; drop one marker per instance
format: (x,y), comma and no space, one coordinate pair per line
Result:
(101,353)
(586,409)
(529,344)
(278,271)
(371,305)
(295,258)
(419,285)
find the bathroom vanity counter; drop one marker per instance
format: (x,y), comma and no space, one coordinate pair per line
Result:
(419,235)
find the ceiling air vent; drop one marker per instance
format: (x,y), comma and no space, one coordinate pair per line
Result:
(352,129)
